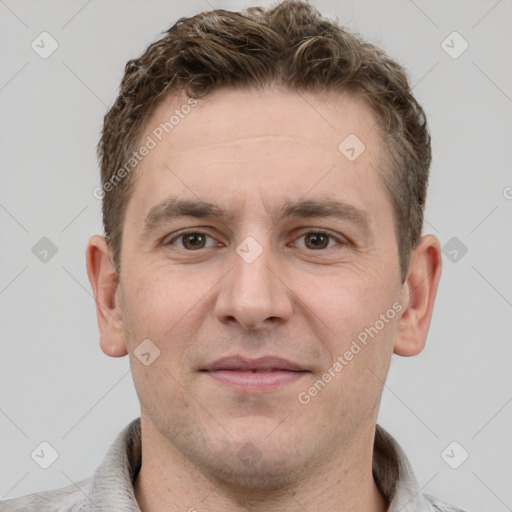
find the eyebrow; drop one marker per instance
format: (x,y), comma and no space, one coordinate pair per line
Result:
(173,208)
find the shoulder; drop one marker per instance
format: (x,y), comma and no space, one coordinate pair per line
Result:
(72,498)
(440,506)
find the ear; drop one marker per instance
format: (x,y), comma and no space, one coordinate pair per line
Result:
(104,282)
(418,296)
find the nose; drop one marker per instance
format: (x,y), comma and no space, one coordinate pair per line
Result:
(254,294)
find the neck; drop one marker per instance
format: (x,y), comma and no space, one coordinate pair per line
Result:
(169,482)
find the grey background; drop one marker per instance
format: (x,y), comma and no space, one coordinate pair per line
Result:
(55,383)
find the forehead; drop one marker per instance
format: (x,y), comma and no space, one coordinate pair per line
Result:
(317,118)
(279,143)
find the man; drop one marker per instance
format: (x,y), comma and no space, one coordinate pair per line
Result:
(263,178)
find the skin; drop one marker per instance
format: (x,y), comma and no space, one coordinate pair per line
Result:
(250,152)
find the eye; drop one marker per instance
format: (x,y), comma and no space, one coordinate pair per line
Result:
(318,239)
(191,240)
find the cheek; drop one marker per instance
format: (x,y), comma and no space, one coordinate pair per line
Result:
(160,392)
(356,382)
(157,294)
(353,299)
(166,307)
(361,314)
(156,310)
(150,307)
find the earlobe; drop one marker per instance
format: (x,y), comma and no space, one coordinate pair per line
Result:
(105,285)
(418,296)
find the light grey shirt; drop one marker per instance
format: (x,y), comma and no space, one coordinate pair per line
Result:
(111,486)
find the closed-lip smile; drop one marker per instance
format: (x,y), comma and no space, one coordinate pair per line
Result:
(262,374)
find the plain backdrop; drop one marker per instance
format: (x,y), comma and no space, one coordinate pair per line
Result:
(55,383)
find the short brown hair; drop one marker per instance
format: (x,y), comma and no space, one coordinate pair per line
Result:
(290,45)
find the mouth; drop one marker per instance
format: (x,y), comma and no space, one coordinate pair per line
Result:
(262,374)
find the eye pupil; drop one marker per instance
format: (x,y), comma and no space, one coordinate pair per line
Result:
(318,240)
(194,240)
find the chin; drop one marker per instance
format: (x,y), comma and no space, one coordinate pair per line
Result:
(263,464)
(247,453)
(263,476)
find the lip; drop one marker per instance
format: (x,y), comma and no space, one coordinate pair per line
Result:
(261,364)
(262,374)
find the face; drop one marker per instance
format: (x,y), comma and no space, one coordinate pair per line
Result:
(255,256)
